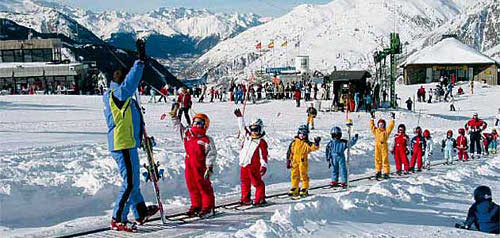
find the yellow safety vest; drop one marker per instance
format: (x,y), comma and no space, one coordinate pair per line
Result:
(123,133)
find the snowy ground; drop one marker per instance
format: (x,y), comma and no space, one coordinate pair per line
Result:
(55,171)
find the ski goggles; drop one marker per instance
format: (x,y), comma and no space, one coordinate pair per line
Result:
(255,129)
(303,132)
(199,123)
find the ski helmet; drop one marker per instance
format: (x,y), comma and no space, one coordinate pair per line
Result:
(336,132)
(461,131)
(418,130)
(494,131)
(256,126)
(482,193)
(427,133)
(381,121)
(202,120)
(449,133)
(475,114)
(303,129)
(402,127)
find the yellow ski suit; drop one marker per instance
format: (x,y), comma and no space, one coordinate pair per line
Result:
(381,149)
(298,152)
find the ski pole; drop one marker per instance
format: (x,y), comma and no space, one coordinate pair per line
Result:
(349,128)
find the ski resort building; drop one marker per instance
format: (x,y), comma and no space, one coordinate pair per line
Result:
(35,65)
(450,58)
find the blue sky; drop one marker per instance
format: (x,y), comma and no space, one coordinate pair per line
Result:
(261,7)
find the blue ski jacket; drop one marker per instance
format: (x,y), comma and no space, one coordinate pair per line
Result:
(485,216)
(336,148)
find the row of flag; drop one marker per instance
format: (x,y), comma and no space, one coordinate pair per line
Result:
(271,45)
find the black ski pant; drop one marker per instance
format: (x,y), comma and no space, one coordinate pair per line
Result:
(184,111)
(475,140)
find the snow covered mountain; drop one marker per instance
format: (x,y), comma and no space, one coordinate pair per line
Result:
(171,31)
(345,33)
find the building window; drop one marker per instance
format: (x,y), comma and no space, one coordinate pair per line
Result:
(27,56)
(18,56)
(8,56)
(37,55)
(47,55)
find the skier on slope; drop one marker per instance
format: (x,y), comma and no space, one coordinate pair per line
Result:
(185,103)
(429,146)
(448,146)
(200,158)
(462,145)
(252,160)
(418,145)
(311,114)
(474,127)
(493,144)
(497,120)
(125,128)
(381,134)
(335,156)
(297,160)
(400,149)
(484,214)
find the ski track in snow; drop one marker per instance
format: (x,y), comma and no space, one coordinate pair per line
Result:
(55,168)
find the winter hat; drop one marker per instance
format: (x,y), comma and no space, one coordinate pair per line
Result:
(482,193)
(402,126)
(427,133)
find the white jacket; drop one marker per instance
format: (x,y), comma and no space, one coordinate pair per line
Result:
(249,147)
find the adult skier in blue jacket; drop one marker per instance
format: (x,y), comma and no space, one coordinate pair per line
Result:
(484,213)
(335,157)
(125,130)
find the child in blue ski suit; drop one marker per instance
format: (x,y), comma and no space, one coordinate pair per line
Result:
(448,146)
(484,213)
(335,156)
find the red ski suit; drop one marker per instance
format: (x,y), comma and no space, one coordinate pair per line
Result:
(400,151)
(200,155)
(462,147)
(253,156)
(418,147)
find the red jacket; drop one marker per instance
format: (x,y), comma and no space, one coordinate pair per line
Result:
(296,95)
(475,125)
(164,91)
(401,142)
(462,142)
(184,100)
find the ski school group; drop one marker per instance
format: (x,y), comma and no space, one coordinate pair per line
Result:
(125,123)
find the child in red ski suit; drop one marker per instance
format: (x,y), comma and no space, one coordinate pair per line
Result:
(462,145)
(252,160)
(400,149)
(200,157)
(417,145)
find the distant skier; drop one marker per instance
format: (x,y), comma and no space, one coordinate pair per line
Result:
(311,114)
(252,160)
(125,122)
(296,96)
(297,160)
(462,145)
(400,150)
(494,142)
(185,103)
(429,146)
(448,146)
(409,104)
(474,128)
(381,135)
(484,213)
(418,146)
(335,156)
(497,121)
(200,158)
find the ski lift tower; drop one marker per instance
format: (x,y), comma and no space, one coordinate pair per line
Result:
(380,65)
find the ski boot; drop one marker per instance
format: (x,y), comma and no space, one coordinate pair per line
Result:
(245,203)
(294,192)
(123,226)
(193,211)
(304,192)
(399,173)
(406,172)
(386,176)
(151,210)
(378,175)
(334,184)
(343,185)
(419,170)
(204,213)
(260,203)
(412,169)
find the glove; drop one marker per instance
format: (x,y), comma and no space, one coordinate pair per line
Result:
(392,152)
(141,49)
(208,172)
(237,112)
(372,113)
(162,117)
(263,170)
(393,115)
(288,164)
(317,140)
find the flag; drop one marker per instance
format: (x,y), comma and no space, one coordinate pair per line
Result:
(284,44)
(271,45)
(259,46)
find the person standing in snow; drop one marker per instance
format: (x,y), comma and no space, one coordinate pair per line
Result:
(494,142)
(252,160)
(448,146)
(199,163)
(452,104)
(484,214)
(368,103)
(429,145)
(430,95)
(356,101)
(418,146)
(335,156)
(125,130)
(497,121)
(462,145)
(185,103)
(400,150)
(474,127)
(296,96)
(297,160)
(381,134)
(409,104)
(311,114)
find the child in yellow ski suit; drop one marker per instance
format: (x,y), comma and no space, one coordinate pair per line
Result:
(381,134)
(297,157)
